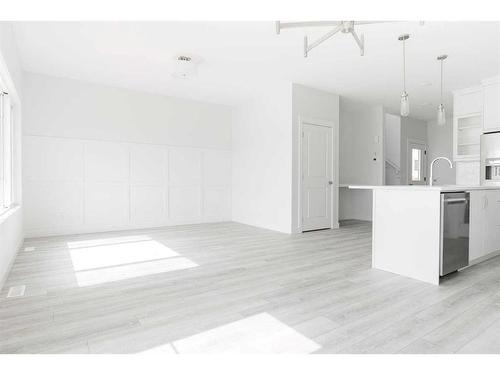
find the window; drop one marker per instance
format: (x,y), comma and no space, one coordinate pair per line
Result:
(6,140)
(416,157)
(417,162)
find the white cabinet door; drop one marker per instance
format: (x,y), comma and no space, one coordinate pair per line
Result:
(467,123)
(492,222)
(466,102)
(491,106)
(467,131)
(477,224)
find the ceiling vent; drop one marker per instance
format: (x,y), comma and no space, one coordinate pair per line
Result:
(184,67)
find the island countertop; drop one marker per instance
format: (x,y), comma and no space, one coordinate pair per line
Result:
(443,188)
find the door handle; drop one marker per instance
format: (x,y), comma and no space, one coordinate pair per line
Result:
(330,182)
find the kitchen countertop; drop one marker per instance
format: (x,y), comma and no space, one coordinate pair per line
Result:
(444,188)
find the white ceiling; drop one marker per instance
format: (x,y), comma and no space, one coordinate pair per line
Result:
(239,58)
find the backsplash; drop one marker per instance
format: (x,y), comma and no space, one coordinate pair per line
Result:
(468,173)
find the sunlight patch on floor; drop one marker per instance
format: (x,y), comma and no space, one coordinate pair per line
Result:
(128,271)
(106,241)
(259,334)
(162,349)
(118,258)
(85,258)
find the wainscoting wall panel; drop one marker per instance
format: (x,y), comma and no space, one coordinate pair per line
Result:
(106,204)
(82,186)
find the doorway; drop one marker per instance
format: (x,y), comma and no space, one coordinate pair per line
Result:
(317,185)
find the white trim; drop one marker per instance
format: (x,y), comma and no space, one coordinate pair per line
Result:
(7,81)
(334,222)
(18,244)
(490,81)
(11,220)
(472,157)
(165,219)
(382,142)
(92,229)
(483,258)
(4,215)
(166,191)
(374,224)
(7,149)
(468,90)
(212,148)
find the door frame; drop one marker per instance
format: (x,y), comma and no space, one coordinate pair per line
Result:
(408,160)
(334,223)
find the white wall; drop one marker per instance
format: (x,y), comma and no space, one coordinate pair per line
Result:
(440,143)
(10,57)
(11,223)
(361,141)
(392,149)
(265,153)
(355,204)
(75,109)
(99,158)
(468,173)
(262,160)
(314,104)
(392,140)
(411,129)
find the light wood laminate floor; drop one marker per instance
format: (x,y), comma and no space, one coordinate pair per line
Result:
(228,287)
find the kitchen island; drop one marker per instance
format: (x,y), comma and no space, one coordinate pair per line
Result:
(407,227)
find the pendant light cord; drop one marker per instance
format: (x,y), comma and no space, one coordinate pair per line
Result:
(404,66)
(441,81)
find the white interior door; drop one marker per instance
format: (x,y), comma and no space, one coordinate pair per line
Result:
(417,163)
(317,181)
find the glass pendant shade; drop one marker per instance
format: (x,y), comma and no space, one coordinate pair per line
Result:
(441,115)
(405,104)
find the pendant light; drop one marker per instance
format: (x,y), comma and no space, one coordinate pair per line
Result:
(441,113)
(405,102)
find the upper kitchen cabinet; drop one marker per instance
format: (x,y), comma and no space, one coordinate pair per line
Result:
(468,101)
(491,104)
(467,120)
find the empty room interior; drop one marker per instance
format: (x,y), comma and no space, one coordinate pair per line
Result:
(250,187)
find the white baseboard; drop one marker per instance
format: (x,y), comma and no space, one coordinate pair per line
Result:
(62,231)
(484,257)
(3,278)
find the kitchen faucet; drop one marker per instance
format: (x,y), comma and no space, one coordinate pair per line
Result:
(432,166)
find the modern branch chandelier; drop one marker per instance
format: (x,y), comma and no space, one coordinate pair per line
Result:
(346,27)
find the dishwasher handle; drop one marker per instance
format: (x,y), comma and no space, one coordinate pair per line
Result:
(455,200)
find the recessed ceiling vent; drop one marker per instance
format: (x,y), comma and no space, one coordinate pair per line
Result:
(184,67)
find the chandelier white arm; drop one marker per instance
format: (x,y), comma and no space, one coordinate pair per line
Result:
(343,26)
(308,47)
(360,41)
(290,25)
(346,27)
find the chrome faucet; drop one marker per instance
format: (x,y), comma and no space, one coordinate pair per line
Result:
(432,167)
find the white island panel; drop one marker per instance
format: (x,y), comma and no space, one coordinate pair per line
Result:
(406,232)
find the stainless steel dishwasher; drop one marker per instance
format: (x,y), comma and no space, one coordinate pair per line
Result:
(455,214)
